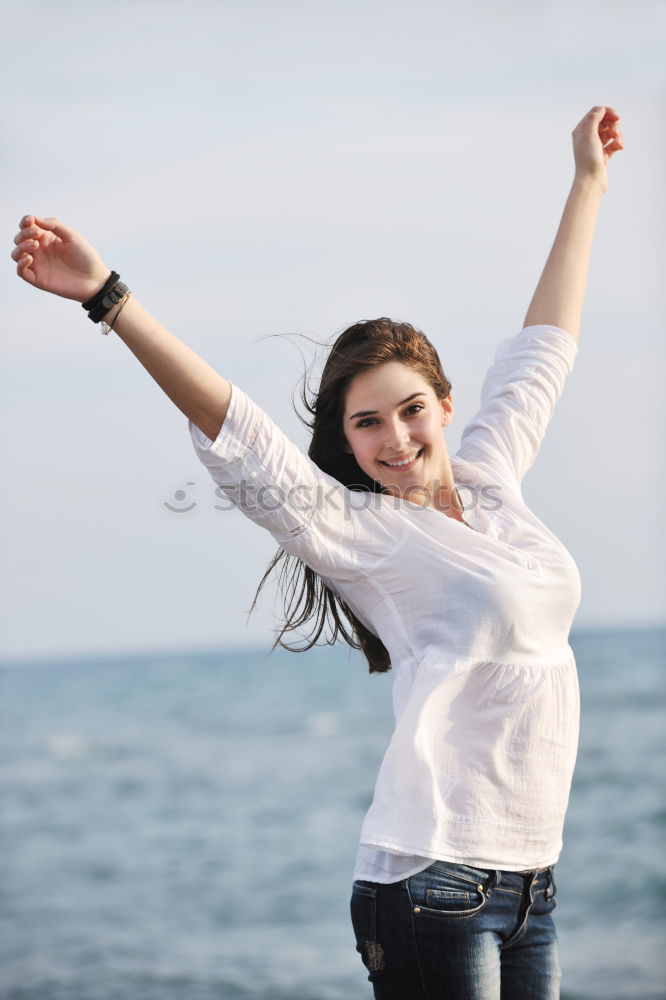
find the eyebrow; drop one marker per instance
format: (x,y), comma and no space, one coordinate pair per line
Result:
(371,413)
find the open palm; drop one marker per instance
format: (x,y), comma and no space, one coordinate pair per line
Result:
(57,259)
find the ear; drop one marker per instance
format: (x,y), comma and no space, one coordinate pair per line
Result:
(447,409)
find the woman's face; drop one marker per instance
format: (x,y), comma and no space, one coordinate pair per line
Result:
(393,422)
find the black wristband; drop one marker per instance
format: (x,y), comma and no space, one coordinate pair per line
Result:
(106,298)
(98,296)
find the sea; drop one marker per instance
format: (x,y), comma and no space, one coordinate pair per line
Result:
(183,825)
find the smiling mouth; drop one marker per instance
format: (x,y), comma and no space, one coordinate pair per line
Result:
(405,463)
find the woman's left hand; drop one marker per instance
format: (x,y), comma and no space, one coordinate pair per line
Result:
(595,139)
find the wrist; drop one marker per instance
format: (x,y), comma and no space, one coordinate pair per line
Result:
(593,182)
(99,305)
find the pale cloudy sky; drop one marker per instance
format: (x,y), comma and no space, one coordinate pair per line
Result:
(256,168)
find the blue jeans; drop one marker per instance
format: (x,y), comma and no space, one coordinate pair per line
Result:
(453,932)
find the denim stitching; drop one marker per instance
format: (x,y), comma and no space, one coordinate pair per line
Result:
(428,911)
(414,940)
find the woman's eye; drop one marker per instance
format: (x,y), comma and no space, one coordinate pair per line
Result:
(409,412)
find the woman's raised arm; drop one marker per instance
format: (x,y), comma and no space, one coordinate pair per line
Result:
(57,259)
(558,299)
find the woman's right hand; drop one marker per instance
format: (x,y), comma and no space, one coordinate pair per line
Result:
(57,259)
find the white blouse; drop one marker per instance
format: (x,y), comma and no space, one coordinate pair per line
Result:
(476,622)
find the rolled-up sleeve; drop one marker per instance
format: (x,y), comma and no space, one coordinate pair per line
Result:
(310,514)
(517,401)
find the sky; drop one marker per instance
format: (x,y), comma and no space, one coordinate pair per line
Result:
(261,173)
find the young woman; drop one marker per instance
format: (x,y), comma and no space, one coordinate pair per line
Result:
(434,566)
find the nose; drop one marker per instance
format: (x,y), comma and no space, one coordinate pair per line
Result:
(397,436)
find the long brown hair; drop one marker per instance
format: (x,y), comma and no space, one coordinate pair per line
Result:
(360,348)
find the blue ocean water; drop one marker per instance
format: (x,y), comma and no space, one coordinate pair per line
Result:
(183,827)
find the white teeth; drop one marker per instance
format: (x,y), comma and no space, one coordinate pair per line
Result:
(405,461)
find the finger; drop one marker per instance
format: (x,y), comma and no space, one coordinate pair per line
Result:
(24,270)
(607,136)
(26,246)
(590,123)
(613,147)
(609,128)
(32,232)
(611,135)
(53,225)
(602,111)
(26,221)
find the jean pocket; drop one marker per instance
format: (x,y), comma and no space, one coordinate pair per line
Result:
(454,891)
(364,921)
